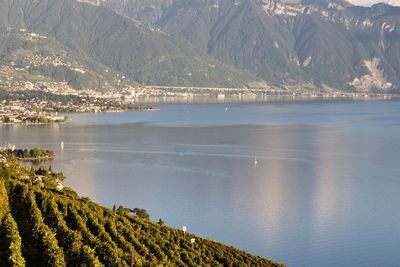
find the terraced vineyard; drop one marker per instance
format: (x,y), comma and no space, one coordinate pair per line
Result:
(41,226)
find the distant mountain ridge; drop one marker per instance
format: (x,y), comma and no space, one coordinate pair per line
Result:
(329,43)
(314,44)
(140,52)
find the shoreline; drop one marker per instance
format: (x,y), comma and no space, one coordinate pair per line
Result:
(32,123)
(248,99)
(133,109)
(41,159)
(205,99)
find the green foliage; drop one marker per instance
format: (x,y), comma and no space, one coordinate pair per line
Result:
(12,239)
(139,52)
(43,238)
(3,200)
(41,60)
(33,154)
(71,241)
(141,213)
(36,152)
(54,228)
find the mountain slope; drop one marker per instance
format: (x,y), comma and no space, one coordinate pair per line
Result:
(142,53)
(42,226)
(328,43)
(32,61)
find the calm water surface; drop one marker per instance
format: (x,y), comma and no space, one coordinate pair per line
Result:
(325,190)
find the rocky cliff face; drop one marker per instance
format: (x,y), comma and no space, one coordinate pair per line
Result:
(328,43)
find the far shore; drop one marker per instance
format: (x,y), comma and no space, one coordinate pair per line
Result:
(147,103)
(36,159)
(238,99)
(32,123)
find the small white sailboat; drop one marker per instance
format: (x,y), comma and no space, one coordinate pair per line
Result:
(62,145)
(255,162)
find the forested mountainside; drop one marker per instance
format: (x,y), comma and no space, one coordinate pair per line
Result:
(327,43)
(208,43)
(43,224)
(103,40)
(32,61)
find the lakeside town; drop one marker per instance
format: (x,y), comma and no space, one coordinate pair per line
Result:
(50,106)
(38,107)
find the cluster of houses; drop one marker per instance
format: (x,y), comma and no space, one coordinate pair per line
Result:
(18,111)
(41,180)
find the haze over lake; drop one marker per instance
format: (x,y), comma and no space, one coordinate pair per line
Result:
(306,184)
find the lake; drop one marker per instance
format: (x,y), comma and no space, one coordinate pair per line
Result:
(303,183)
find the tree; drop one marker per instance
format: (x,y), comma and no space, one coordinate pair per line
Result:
(141,213)
(36,152)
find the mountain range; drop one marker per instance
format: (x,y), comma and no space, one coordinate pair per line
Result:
(317,44)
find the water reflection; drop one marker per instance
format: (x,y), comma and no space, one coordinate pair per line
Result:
(333,182)
(327,174)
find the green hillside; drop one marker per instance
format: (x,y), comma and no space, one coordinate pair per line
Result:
(29,60)
(42,226)
(140,52)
